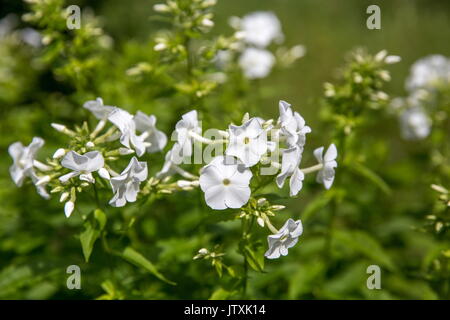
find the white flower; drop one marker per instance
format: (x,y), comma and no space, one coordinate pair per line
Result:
(292,125)
(392,59)
(225,182)
(100,111)
(261,28)
(286,238)
(126,185)
(31,37)
(124,121)
(256,63)
(147,124)
(184,130)
(328,162)
(248,142)
(414,124)
(23,158)
(426,71)
(289,168)
(82,165)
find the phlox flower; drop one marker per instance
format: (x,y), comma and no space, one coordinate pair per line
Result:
(426,71)
(289,168)
(185,129)
(293,126)
(256,63)
(24,159)
(286,238)
(100,111)
(126,185)
(83,166)
(125,123)
(414,124)
(248,142)
(328,162)
(259,28)
(147,125)
(225,182)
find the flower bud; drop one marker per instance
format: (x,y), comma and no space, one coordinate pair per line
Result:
(68,208)
(160,7)
(59,153)
(64,196)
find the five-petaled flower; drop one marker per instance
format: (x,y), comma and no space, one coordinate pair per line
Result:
(147,125)
(289,168)
(100,111)
(286,238)
(259,28)
(328,162)
(83,166)
(292,125)
(185,131)
(225,182)
(23,158)
(256,63)
(126,185)
(248,142)
(124,121)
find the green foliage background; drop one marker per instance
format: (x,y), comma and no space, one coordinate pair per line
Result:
(375,223)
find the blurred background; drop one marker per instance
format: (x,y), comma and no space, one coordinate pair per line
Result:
(36,240)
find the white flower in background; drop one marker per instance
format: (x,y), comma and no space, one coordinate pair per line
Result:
(82,165)
(286,238)
(256,63)
(289,168)
(223,59)
(147,125)
(185,130)
(126,185)
(23,158)
(7,24)
(293,126)
(427,71)
(259,28)
(414,124)
(100,111)
(328,162)
(225,182)
(248,142)
(31,37)
(124,122)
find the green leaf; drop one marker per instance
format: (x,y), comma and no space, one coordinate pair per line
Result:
(87,239)
(372,176)
(140,261)
(255,259)
(315,205)
(100,217)
(363,243)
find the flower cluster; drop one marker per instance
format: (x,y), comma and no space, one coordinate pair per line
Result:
(427,76)
(89,159)
(226,179)
(255,32)
(252,148)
